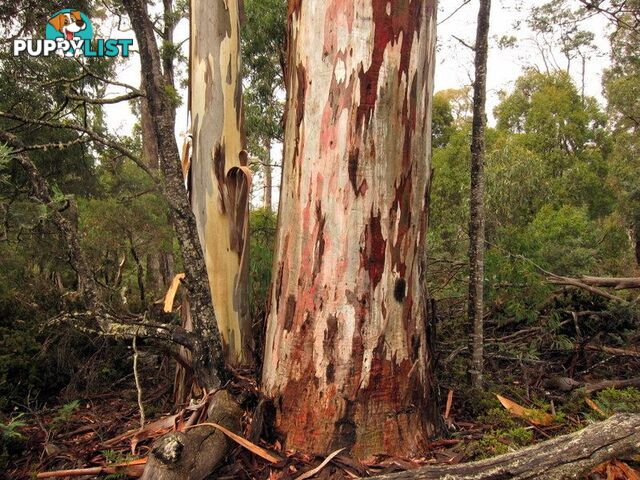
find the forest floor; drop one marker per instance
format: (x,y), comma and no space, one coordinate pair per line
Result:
(540,398)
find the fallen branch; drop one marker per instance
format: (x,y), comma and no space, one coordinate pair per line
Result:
(572,282)
(596,387)
(133,468)
(565,457)
(614,351)
(612,282)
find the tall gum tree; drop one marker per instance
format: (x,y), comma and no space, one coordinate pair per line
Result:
(347,358)
(219,180)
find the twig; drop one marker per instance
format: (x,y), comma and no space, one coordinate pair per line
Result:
(137,379)
(471,47)
(465,2)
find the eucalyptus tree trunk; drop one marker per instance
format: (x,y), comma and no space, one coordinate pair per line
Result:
(219,179)
(477,215)
(347,358)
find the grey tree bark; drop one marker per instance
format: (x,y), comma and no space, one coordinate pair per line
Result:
(477,214)
(207,353)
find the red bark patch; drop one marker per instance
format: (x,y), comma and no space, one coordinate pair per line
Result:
(401,208)
(354,155)
(294,6)
(373,255)
(320,241)
(328,345)
(404,17)
(289,312)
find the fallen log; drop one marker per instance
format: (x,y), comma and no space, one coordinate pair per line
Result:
(562,458)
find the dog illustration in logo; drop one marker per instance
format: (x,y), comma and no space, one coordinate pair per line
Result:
(68,23)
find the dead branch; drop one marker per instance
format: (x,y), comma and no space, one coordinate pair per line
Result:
(612,282)
(614,351)
(596,387)
(565,457)
(96,137)
(572,282)
(106,324)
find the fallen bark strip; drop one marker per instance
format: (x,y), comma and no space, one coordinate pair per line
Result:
(562,458)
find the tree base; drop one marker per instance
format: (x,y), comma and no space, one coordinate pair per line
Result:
(194,454)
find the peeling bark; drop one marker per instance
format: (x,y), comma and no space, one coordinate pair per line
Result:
(347,359)
(220,208)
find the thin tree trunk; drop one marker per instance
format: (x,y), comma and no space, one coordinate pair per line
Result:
(268,177)
(207,352)
(347,359)
(219,179)
(637,244)
(477,215)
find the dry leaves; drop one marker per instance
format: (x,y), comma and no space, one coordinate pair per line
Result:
(535,417)
(615,470)
(261,452)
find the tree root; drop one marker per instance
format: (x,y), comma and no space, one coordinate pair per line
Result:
(194,454)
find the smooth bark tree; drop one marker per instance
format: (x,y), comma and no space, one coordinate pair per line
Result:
(219,178)
(477,215)
(347,357)
(206,345)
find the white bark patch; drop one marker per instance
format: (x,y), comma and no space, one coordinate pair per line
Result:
(340,71)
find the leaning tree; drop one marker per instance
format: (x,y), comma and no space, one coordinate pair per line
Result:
(347,356)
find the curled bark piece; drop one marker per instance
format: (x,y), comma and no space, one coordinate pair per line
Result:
(565,457)
(194,454)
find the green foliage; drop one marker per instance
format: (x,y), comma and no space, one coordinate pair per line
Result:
(263,57)
(553,204)
(622,89)
(11,440)
(626,400)
(262,244)
(499,442)
(442,121)
(64,414)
